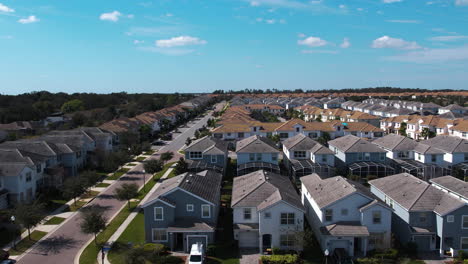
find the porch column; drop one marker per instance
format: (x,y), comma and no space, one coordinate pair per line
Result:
(364,240)
(171,241)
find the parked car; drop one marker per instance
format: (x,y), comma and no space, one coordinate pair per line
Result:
(158,143)
(197,254)
(8,261)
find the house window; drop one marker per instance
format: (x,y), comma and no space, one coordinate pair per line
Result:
(297,129)
(324,158)
(196,155)
(159,235)
(329,215)
(247,213)
(206,213)
(229,134)
(39,168)
(344,211)
(403,154)
(252,156)
(267,215)
(376,239)
(382,156)
(313,135)
(299,154)
(274,156)
(284,135)
(287,218)
(450,218)
(433,158)
(255,129)
(465,221)
(158,213)
(259,156)
(240,135)
(367,156)
(28,177)
(422,217)
(189,207)
(466,156)
(359,156)
(464,243)
(376,217)
(419,156)
(214,159)
(287,240)
(78,154)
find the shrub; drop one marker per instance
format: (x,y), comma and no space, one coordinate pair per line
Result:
(386,254)
(281,259)
(462,255)
(211,250)
(368,261)
(411,249)
(154,249)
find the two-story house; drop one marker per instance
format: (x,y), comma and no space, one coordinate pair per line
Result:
(184,210)
(207,153)
(397,147)
(433,219)
(303,156)
(267,211)
(345,215)
(256,153)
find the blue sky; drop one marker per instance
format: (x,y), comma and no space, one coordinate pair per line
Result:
(198,46)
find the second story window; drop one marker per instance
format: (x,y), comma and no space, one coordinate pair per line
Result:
(196,155)
(382,156)
(433,158)
(367,156)
(247,213)
(274,157)
(214,159)
(450,218)
(252,156)
(259,156)
(299,154)
(376,217)
(466,156)
(329,215)
(267,215)
(287,218)
(344,211)
(359,156)
(465,221)
(189,207)
(206,213)
(324,158)
(28,177)
(158,213)
(422,217)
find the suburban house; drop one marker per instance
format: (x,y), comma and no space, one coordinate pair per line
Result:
(460,130)
(256,153)
(359,157)
(267,211)
(397,147)
(345,215)
(207,153)
(424,214)
(184,210)
(303,156)
(453,108)
(455,149)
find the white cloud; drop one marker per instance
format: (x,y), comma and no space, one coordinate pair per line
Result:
(404,21)
(312,42)
(254,3)
(448,38)
(270,21)
(360,9)
(342,6)
(301,35)
(316,2)
(319,51)
(6,9)
(433,55)
(137,42)
(179,41)
(346,44)
(29,20)
(112,16)
(171,52)
(461,2)
(391,1)
(169,15)
(394,43)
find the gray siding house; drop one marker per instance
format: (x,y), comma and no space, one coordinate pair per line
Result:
(184,210)
(207,153)
(256,153)
(432,218)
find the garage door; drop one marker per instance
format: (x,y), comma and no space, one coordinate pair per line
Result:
(248,239)
(423,242)
(191,240)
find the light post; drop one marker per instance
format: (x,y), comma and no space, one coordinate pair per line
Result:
(13,218)
(144,180)
(326,253)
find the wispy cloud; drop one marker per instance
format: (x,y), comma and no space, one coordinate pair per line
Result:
(111,16)
(391,1)
(29,20)
(314,5)
(6,37)
(394,43)
(154,31)
(319,51)
(6,9)
(461,2)
(171,52)
(403,21)
(433,55)
(346,44)
(179,41)
(448,38)
(312,42)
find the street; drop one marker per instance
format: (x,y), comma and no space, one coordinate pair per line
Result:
(64,243)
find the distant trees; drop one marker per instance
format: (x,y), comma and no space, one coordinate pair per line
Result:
(324,138)
(263,116)
(402,129)
(426,133)
(72,106)
(126,192)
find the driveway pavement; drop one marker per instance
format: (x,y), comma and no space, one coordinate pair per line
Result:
(63,244)
(249,256)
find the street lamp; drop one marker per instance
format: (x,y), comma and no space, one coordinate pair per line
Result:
(13,218)
(144,180)
(326,253)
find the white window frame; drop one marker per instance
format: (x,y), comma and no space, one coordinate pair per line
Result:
(288,218)
(162,213)
(463,216)
(209,211)
(374,213)
(325,215)
(190,207)
(367,156)
(450,218)
(247,211)
(152,235)
(214,159)
(461,240)
(192,157)
(290,240)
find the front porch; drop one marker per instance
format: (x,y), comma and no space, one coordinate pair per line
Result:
(186,232)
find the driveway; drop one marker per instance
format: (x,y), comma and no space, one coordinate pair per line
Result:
(249,256)
(63,244)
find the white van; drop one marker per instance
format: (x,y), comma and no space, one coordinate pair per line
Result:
(197,254)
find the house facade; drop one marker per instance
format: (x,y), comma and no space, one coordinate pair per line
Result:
(256,153)
(207,152)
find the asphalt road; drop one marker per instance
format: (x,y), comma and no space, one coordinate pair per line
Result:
(64,243)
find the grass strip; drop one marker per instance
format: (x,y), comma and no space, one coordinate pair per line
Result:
(26,243)
(55,221)
(102,185)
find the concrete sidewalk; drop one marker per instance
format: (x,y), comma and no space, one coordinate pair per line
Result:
(132,216)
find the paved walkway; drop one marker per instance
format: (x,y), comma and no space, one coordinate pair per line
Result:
(132,216)
(249,256)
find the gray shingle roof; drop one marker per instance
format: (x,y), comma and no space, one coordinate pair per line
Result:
(414,194)
(345,229)
(256,144)
(448,143)
(427,149)
(352,144)
(208,145)
(395,142)
(262,189)
(453,184)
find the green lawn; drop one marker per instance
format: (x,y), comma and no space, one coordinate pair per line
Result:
(135,234)
(140,159)
(118,174)
(130,164)
(102,185)
(55,221)
(78,205)
(89,194)
(89,255)
(26,243)
(149,152)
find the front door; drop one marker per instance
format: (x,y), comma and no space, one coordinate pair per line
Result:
(179,242)
(266,241)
